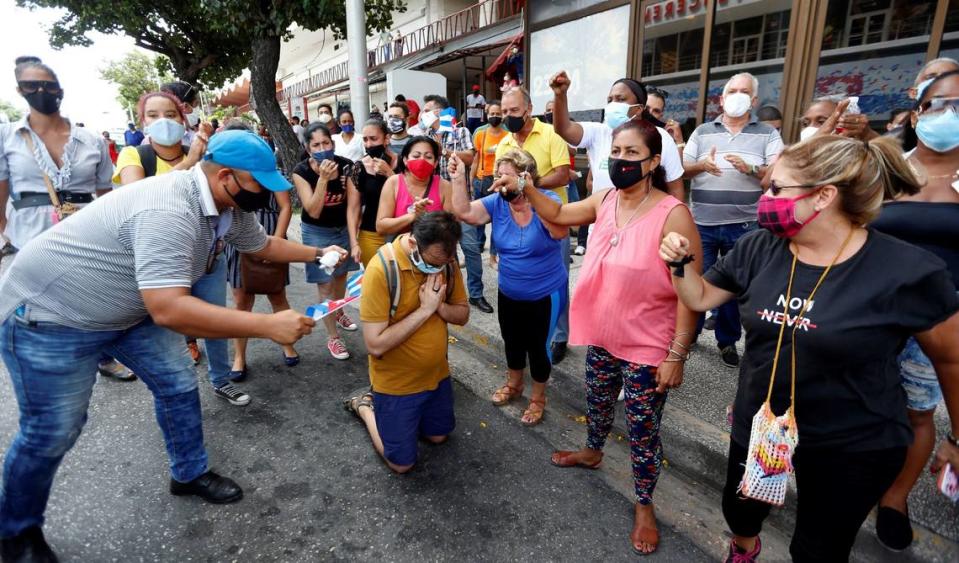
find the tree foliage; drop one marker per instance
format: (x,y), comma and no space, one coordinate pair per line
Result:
(135,74)
(12,113)
(211,41)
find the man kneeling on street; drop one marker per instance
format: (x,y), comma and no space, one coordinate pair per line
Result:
(411,290)
(116,278)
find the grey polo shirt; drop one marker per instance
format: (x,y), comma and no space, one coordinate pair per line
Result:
(732,197)
(87,271)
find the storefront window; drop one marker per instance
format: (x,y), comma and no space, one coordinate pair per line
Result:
(592,50)
(873,49)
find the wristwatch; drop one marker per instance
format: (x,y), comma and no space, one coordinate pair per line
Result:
(753,169)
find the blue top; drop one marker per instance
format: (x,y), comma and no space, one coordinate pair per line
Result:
(530,259)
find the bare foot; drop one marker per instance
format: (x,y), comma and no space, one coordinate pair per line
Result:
(583,458)
(645,535)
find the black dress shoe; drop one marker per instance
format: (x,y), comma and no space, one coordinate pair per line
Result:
(27,547)
(481,304)
(557,352)
(210,487)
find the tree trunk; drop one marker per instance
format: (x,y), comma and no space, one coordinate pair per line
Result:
(266,57)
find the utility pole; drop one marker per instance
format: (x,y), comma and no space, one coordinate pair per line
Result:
(359,73)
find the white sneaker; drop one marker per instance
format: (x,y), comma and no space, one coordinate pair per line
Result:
(580,250)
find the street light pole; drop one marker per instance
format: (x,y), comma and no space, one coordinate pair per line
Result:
(359,73)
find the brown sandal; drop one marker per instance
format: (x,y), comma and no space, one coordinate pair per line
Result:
(531,416)
(644,535)
(506,394)
(561,458)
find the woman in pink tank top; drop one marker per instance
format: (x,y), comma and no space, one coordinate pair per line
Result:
(415,190)
(625,309)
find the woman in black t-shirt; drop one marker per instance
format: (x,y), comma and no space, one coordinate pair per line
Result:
(848,297)
(369,175)
(325,187)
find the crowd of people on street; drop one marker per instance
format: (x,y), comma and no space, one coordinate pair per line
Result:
(824,267)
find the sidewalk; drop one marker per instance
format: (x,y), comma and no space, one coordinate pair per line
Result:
(695,433)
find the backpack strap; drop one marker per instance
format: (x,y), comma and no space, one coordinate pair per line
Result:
(392,271)
(148,160)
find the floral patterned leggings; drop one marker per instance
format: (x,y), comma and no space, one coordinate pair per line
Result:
(605,376)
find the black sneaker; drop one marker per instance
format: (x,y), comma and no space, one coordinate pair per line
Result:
(557,352)
(710,323)
(233,394)
(28,546)
(730,356)
(893,529)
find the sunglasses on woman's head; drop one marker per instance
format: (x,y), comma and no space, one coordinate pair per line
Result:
(31,86)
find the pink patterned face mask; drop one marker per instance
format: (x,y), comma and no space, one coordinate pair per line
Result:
(778,215)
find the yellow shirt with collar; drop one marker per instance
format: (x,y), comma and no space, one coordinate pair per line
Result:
(130,157)
(547,147)
(420,363)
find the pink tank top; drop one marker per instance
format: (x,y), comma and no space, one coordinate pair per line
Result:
(404,201)
(624,299)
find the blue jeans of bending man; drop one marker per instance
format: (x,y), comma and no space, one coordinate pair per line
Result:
(562,324)
(212,289)
(481,188)
(53,370)
(719,240)
(474,261)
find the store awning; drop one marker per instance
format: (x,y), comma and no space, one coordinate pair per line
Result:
(515,42)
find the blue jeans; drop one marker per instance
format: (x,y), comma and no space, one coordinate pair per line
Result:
(582,231)
(212,289)
(53,370)
(719,240)
(481,188)
(474,261)
(562,324)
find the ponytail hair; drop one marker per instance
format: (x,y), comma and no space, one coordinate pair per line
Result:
(865,173)
(653,141)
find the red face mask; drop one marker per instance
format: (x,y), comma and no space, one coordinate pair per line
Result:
(420,168)
(778,215)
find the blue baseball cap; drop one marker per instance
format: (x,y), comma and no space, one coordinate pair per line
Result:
(245,150)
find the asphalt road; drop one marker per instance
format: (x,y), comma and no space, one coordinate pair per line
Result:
(315,489)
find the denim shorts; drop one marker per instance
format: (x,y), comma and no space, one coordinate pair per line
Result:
(918,378)
(321,237)
(403,419)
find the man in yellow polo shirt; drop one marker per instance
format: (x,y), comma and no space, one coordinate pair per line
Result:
(405,330)
(537,138)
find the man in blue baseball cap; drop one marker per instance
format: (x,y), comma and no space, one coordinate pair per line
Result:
(115,278)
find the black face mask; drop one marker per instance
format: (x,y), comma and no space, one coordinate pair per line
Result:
(626,173)
(649,117)
(44,102)
(495,121)
(376,151)
(515,124)
(509,195)
(249,201)
(547,118)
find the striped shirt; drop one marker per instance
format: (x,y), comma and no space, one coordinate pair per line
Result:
(732,197)
(88,270)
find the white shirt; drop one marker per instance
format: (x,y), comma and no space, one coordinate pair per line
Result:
(354,150)
(598,141)
(473,100)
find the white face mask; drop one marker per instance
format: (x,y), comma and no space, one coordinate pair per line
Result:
(808,132)
(736,105)
(325,118)
(428,118)
(193,118)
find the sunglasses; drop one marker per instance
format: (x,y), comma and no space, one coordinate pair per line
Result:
(31,86)
(775,188)
(937,105)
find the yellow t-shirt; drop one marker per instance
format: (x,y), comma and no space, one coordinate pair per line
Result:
(419,363)
(130,157)
(547,147)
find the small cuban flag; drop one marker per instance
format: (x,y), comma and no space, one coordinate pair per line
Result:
(354,284)
(446,120)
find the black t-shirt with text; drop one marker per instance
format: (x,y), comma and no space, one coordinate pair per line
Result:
(848,389)
(334,208)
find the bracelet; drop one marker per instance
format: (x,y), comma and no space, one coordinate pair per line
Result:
(680,145)
(952,439)
(679,266)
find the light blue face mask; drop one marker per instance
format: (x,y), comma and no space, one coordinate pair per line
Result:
(616,113)
(166,132)
(939,131)
(421,264)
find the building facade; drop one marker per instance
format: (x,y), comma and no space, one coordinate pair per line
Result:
(806,48)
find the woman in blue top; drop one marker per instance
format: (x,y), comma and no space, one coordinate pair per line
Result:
(532,277)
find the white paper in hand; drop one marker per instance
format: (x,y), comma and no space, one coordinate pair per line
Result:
(329,260)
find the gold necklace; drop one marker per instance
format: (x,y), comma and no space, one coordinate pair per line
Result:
(614,240)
